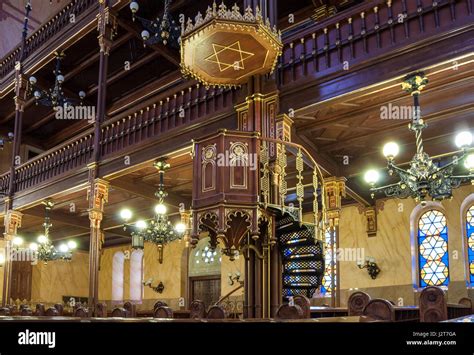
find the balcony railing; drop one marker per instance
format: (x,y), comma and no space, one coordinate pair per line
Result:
(119,133)
(177,110)
(365,32)
(47,31)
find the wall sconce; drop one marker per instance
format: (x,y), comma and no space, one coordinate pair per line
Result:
(233,278)
(158,288)
(370,265)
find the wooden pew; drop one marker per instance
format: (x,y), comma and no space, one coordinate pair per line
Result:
(216,312)
(285,311)
(380,310)
(197,309)
(163,312)
(434,306)
(357,302)
(325,312)
(81,312)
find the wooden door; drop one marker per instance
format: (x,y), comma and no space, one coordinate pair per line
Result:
(206,289)
(21,280)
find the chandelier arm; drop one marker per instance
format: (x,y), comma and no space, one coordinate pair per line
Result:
(454,162)
(377,189)
(400,171)
(463,177)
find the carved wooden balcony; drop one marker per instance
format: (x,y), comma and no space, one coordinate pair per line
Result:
(55,27)
(368,30)
(124,134)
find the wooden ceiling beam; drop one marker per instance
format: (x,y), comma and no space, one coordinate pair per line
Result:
(434,117)
(145,191)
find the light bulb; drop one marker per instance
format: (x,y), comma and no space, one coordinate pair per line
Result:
(63,248)
(390,150)
(2,259)
(463,139)
(371,176)
(160,209)
(17,241)
(145,35)
(126,214)
(141,224)
(37,94)
(180,228)
(42,239)
(33,246)
(82,94)
(72,244)
(134,6)
(469,162)
(60,78)
(33,80)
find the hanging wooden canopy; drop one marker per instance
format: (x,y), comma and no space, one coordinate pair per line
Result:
(225,47)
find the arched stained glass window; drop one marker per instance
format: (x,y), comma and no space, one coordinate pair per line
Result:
(329,266)
(470,242)
(433,249)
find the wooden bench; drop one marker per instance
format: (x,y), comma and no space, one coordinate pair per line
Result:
(434,307)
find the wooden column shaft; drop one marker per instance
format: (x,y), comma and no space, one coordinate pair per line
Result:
(258,287)
(275,276)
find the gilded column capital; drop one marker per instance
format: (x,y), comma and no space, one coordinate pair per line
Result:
(335,189)
(97,194)
(12,222)
(107,28)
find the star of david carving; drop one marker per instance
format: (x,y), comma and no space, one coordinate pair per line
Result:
(231,56)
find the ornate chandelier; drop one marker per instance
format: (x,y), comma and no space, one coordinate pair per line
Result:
(164,30)
(44,250)
(54,96)
(424,177)
(159,229)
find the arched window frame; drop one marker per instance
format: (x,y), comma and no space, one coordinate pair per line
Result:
(415,216)
(466,205)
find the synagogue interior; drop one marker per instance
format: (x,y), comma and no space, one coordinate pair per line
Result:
(269,160)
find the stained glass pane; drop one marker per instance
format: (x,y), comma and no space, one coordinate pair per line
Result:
(470,242)
(329,262)
(433,249)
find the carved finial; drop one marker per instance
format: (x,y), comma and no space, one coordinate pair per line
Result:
(222,9)
(258,13)
(198,19)
(214,8)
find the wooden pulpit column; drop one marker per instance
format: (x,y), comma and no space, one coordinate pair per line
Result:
(99,189)
(12,223)
(21,86)
(98,196)
(13,218)
(335,188)
(107,27)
